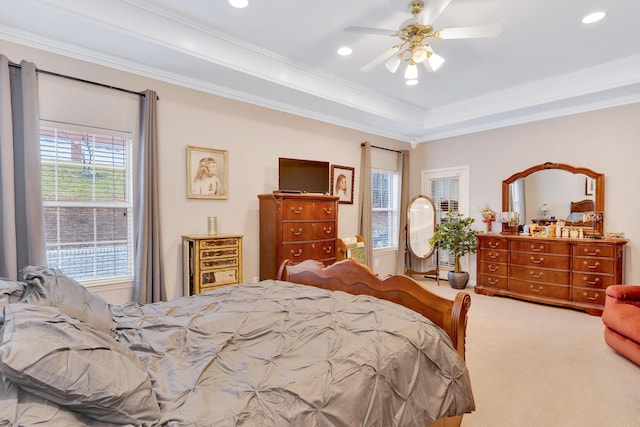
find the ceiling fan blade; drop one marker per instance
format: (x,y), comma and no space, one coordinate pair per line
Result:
(370,30)
(432,10)
(379,59)
(492,30)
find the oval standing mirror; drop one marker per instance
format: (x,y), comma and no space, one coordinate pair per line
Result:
(421,224)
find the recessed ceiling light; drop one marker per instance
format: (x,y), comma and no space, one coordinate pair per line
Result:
(240,4)
(412,82)
(593,17)
(345,51)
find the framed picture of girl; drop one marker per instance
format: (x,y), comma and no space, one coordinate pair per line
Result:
(207,173)
(342,179)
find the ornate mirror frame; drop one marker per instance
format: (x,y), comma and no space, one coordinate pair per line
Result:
(598,177)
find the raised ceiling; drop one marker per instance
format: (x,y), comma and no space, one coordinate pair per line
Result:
(282,54)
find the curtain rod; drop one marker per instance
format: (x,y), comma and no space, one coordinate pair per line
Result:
(64,76)
(382,148)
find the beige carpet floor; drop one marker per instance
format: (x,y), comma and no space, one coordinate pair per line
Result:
(533,365)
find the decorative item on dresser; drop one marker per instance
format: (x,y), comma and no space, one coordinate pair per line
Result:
(559,271)
(296,227)
(211,261)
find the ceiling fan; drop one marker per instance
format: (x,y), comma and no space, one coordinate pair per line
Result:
(414,33)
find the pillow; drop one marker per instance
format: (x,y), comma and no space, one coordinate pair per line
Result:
(49,286)
(10,292)
(68,362)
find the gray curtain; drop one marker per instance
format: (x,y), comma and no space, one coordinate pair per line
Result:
(365,205)
(148,269)
(22,240)
(403,169)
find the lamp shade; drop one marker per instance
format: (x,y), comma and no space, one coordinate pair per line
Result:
(418,54)
(411,72)
(435,61)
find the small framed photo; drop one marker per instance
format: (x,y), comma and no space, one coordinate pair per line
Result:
(207,173)
(342,179)
(589,186)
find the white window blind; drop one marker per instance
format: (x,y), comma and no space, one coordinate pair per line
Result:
(87,198)
(385,203)
(448,190)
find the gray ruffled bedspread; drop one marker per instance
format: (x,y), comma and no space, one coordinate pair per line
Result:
(279,354)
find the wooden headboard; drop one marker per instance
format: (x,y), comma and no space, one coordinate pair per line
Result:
(354,278)
(582,206)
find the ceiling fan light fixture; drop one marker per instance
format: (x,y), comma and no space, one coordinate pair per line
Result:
(393,63)
(435,61)
(411,72)
(419,54)
(411,82)
(345,51)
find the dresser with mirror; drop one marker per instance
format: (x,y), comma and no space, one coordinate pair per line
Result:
(544,267)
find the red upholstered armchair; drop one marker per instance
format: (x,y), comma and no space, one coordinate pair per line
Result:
(621,318)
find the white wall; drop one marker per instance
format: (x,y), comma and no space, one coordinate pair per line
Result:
(606,141)
(253,136)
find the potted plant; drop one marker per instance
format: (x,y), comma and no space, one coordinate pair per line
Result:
(455,234)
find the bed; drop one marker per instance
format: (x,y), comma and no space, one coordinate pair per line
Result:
(274,353)
(577,211)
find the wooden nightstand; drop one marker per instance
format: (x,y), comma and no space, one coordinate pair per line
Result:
(211,261)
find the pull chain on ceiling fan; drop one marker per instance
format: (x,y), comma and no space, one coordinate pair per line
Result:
(413,47)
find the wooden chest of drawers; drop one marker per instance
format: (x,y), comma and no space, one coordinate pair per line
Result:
(211,261)
(296,227)
(564,272)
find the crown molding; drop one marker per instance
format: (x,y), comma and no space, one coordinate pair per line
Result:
(279,84)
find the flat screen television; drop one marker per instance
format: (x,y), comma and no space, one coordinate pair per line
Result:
(304,176)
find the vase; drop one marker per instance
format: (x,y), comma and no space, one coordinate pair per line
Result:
(458,280)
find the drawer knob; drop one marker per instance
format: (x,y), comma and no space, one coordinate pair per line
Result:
(593,298)
(493,282)
(494,245)
(591,266)
(493,255)
(296,254)
(296,233)
(593,282)
(492,268)
(296,211)
(537,260)
(327,230)
(537,249)
(540,288)
(596,252)
(536,276)
(327,249)
(328,210)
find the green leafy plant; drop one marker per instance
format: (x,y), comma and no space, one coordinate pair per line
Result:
(456,235)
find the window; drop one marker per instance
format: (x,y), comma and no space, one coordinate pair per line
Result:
(385,202)
(87,199)
(447,189)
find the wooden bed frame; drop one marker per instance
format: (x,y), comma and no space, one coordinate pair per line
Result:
(357,279)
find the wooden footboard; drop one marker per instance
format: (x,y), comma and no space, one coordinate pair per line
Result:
(354,278)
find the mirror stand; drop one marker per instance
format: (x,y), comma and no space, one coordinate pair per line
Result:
(434,273)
